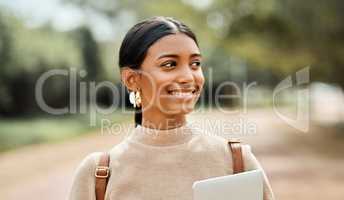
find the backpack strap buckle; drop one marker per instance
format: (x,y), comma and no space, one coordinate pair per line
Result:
(102,172)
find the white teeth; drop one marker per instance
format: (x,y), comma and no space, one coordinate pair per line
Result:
(181,94)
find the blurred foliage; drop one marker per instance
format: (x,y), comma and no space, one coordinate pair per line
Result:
(276,35)
(31,47)
(242,40)
(29,53)
(15,133)
(90,53)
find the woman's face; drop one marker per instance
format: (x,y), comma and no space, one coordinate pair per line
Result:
(172,77)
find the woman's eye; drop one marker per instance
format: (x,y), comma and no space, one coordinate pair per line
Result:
(169,64)
(196,63)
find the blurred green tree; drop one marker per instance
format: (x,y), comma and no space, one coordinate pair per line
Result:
(90,53)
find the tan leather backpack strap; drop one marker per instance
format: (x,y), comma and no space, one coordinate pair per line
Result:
(102,174)
(238,163)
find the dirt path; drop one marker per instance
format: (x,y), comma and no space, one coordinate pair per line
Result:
(300,166)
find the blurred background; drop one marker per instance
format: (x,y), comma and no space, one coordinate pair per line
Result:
(243,41)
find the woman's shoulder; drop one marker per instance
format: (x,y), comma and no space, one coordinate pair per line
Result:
(218,140)
(88,163)
(92,159)
(220,143)
(83,179)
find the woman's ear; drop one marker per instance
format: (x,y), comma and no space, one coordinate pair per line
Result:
(129,78)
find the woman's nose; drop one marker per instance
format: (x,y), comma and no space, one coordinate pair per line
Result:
(185,75)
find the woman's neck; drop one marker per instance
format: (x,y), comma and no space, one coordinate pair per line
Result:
(157,120)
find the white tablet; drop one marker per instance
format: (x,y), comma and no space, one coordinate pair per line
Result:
(242,186)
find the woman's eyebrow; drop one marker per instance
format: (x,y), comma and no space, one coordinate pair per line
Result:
(195,55)
(177,56)
(168,55)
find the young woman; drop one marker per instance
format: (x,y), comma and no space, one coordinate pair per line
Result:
(160,64)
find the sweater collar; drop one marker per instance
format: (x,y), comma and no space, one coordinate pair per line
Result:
(161,137)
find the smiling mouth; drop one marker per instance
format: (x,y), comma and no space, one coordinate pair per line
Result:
(183,92)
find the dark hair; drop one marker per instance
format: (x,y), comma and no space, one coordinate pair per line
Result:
(141,36)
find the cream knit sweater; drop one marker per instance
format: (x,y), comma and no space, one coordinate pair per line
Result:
(152,164)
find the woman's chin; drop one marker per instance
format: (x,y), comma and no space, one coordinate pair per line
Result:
(180,110)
